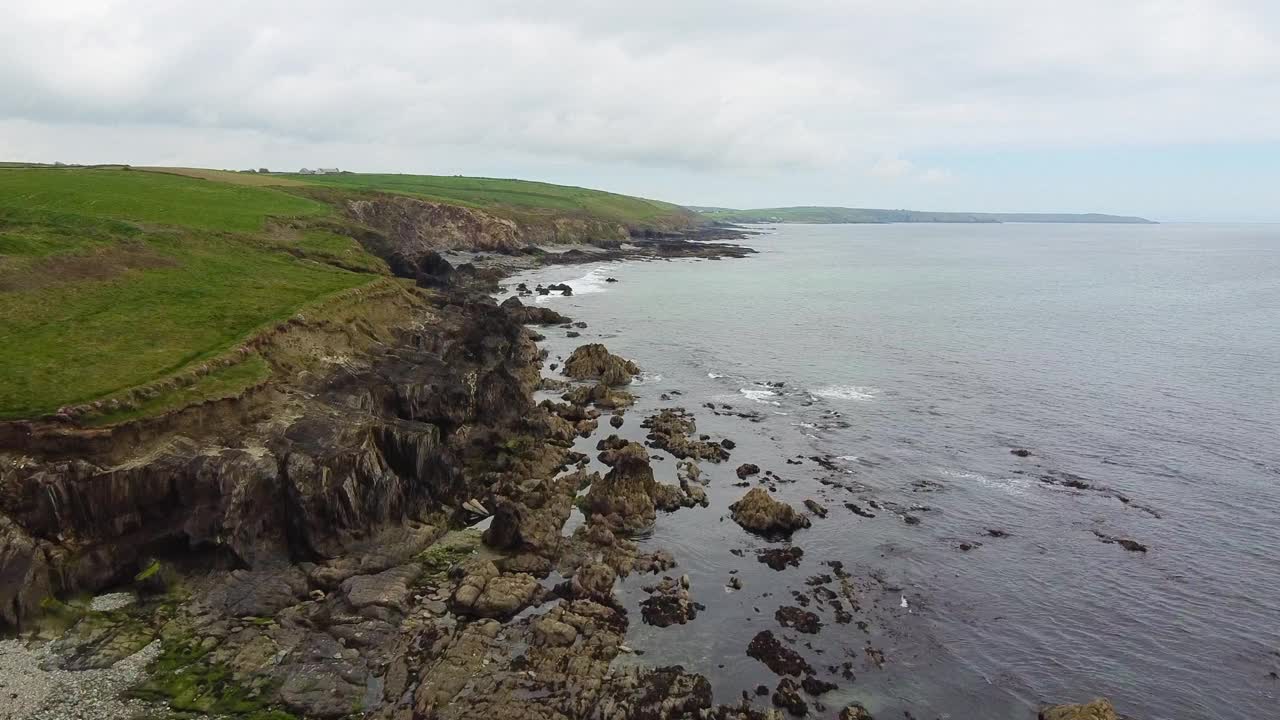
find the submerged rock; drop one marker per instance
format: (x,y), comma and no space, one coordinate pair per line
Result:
(759,513)
(1099,709)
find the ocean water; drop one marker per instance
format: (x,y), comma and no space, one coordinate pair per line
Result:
(1140,365)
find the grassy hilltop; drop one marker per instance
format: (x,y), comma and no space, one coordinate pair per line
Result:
(115,278)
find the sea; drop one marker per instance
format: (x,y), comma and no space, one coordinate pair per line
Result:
(895,369)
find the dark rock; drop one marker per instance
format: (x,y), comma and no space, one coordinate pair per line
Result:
(782,660)
(668,604)
(1127,544)
(746,470)
(672,429)
(728,444)
(780,558)
(797,619)
(616,421)
(787,696)
(857,510)
(816,687)
(1020,452)
(815,508)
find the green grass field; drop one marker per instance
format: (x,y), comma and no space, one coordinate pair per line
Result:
(518,197)
(112,279)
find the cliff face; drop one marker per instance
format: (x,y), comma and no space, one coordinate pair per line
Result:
(377,444)
(411,227)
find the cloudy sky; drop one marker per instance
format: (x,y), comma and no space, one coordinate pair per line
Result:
(1166,108)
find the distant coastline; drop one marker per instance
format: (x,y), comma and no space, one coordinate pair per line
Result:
(843,215)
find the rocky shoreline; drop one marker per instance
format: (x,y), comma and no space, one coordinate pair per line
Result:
(313,556)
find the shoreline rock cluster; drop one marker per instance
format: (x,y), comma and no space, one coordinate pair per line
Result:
(312,558)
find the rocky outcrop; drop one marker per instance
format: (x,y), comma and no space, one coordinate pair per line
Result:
(674,430)
(759,513)
(595,362)
(623,500)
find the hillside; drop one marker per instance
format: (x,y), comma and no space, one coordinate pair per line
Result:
(837,215)
(520,200)
(147,282)
(111,278)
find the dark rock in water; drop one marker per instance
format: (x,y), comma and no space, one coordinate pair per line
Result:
(787,696)
(669,604)
(797,619)
(1126,543)
(553,366)
(580,325)
(611,280)
(573,334)
(728,444)
(997,533)
(780,558)
(616,421)
(561,288)
(816,687)
(1099,709)
(815,508)
(759,513)
(1020,452)
(910,519)
(855,711)
(672,430)
(747,469)
(762,690)
(735,583)
(857,510)
(782,660)
(531,314)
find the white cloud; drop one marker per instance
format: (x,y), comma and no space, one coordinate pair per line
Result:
(757,86)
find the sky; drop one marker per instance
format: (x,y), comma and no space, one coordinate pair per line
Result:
(1168,109)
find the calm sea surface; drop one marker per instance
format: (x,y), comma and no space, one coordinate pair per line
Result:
(1140,365)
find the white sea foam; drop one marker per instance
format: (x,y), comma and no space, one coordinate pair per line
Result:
(595,281)
(647,378)
(760,396)
(714,376)
(1011,486)
(848,392)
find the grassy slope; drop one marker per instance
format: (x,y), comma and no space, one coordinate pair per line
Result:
(110,279)
(520,199)
(872,215)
